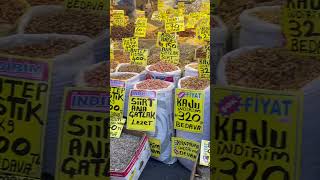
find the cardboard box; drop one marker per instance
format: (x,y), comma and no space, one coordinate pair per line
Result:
(138,161)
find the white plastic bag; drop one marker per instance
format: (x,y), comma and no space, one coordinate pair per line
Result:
(256,32)
(310,131)
(197,136)
(64,69)
(142,75)
(219,39)
(164,123)
(173,76)
(129,83)
(190,71)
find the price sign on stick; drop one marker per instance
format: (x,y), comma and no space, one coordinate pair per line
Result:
(139,56)
(185,148)
(301,27)
(130,44)
(256,134)
(117,98)
(175,24)
(141,27)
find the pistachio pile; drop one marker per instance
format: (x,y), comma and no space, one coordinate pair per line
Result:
(194,83)
(76,22)
(98,76)
(271,68)
(47,49)
(152,84)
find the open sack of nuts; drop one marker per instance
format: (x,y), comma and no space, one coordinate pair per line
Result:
(129,155)
(260,26)
(279,69)
(11,12)
(191,70)
(94,76)
(164,71)
(195,83)
(130,79)
(164,116)
(69,55)
(127,67)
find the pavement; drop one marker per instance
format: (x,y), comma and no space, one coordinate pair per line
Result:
(156,170)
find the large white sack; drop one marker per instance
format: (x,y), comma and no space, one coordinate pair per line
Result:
(64,69)
(190,71)
(173,76)
(205,135)
(164,123)
(142,75)
(310,131)
(256,32)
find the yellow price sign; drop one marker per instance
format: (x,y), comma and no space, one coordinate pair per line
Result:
(300,26)
(205,7)
(175,24)
(130,44)
(204,68)
(203,32)
(205,153)
(189,110)
(25,92)
(142,109)
(264,129)
(190,22)
(185,148)
(141,27)
(111,52)
(140,14)
(181,8)
(167,40)
(139,56)
(170,55)
(117,99)
(84,136)
(155,146)
(118,18)
(155,16)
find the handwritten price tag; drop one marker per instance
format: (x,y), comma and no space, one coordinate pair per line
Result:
(130,44)
(175,24)
(141,27)
(170,55)
(118,18)
(185,148)
(139,56)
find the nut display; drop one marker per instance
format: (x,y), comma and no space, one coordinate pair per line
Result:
(118,32)
(121,57)
(122,150)
(152,84)
(201,53)
(131,68)
(271,16)
(121,76)
(45,2)
(46,49)
(76,22)
(194,83)
(11,11)
(271,68)
(163,67)
(98,76)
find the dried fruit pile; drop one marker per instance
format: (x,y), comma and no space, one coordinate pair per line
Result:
(152,84)
(46,49)
(195,83)
(122,150)
(163,67)
(131,68)
(97,77)
(276,69)
(76,22)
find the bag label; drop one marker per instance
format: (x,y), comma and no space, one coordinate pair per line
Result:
(117,99)
(205,153)
(155,146)
(184,148)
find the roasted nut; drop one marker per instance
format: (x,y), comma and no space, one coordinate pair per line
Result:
(46,49)
(74,21)
(11,11)
(163,67)
(121,76)
(152,84)
(98,77)
(131,68)
(194,83)
(118,32)
(271,68)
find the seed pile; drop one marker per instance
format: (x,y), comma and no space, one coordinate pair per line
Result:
(131,68)
(76,22)
(97,77)
(118,32)
(46,49)
(204,173)
(152,84)
(275,69)
(121,57)
(270,16)
(45,2)
(195,83)
(122,76)
(10,11)
(163,67)
(122,150)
